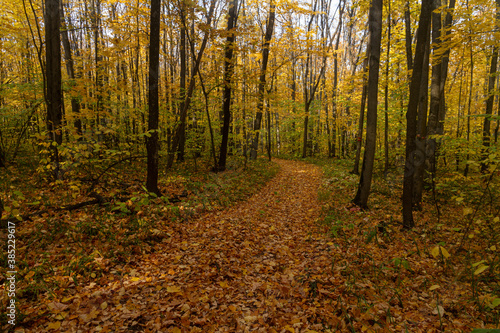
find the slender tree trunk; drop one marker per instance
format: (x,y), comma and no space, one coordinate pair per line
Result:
(154,70)
(262,81)
(491,97)
(182,82)
(439,75)
(228,74)
(70,68)
(53,75)
(469,104)
(386,92)
(375,23)
(420,153)
(180,129)
(335,79)
(359,138)
(411,114)
(408,38)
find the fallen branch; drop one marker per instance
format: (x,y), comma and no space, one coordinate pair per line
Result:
(98,199)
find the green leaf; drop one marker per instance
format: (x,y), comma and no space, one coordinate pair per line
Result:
(494,303)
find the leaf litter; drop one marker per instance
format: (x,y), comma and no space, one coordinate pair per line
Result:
(268,264)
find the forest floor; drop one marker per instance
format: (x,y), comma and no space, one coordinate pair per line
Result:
(294,257)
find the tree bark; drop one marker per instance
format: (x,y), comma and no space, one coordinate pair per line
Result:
(262,81)
(359,138)
(53,70)
(491,97)
(228,74)
(386,92)
(420,153)
(439,75)
(154,70)
(411,114)
(180,129)
(70,68)
(375,23)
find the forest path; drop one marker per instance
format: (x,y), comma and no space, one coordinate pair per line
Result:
(261,265)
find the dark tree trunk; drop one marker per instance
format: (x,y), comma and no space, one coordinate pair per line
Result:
(420,154)
(70,68)
(180,129)
(154,67)
(375,23)
(53,96)
(491,98)
(336,80)
(386,91)
(411,114)
(439,75)
(359,138)
(408,37)
(182,78)
(262,81)
(228,74)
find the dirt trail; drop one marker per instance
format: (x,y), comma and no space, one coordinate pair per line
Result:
(258,266)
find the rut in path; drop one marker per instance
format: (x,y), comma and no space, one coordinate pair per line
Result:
(258,266)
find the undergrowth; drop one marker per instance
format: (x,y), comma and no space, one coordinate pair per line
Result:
(445,270)
(58,249)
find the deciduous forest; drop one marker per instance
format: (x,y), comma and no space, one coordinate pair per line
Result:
(240,166)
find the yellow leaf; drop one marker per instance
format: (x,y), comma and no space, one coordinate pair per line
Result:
(176,330)
(289,329)
(493,248)
(468,211)
(61,316)
(496,219)
(67,299)
(54,326)
(480,269)
(93,275)
(438,251)
(104,305)
(434,287)
(223,284)
(173,289)
(445,253)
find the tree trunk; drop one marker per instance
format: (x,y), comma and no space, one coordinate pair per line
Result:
(420,153)
(53,96)
(228,74)
(491,97)
(411,114)
(262,81)
(439,74)
(386,92)
(408,38)
(182,82)
(70,68)
(375,23)
(359,138)
(180,129)
(335,79)
(154,70)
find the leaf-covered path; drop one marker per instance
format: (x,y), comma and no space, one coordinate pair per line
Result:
(258,266)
